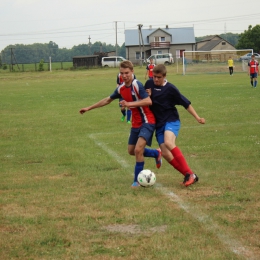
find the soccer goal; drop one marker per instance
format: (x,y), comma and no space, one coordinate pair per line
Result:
(215,61)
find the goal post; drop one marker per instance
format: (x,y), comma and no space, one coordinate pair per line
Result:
(214,61)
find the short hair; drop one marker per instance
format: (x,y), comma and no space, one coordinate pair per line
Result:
(252,55)
(160,68)
(127,64)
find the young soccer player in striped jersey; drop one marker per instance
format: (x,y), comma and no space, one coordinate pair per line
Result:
(253,71)
(165,96)
(143,121)
(149,70)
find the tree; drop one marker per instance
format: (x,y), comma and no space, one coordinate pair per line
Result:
(250,39)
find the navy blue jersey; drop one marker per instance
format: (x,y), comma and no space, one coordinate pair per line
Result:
(164,99)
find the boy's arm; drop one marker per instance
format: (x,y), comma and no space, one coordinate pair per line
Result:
(101,103)
(192,111)
(140,103)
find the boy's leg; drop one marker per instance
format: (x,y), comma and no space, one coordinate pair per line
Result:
(184,167)
(123,114)
(128,118)
(180,163)
(251,80)
(155,153)
(139,156)
(255,82)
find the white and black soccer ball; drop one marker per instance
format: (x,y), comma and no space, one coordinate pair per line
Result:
(146,178)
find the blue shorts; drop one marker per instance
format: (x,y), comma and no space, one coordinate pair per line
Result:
(253,75)
(169,126)
(145,131)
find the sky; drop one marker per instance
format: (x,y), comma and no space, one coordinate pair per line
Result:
(70,23)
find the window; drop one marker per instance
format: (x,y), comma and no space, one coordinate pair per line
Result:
(137,55)
(109,59)
(159,39)
(223,43)
(159,52)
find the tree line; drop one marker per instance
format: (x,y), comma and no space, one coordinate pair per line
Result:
(32,53)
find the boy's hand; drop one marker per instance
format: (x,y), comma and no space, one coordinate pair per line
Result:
(201,120)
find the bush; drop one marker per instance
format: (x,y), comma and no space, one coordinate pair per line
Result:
(41,64)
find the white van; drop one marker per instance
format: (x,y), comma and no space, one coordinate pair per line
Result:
(164,58)
(112,61)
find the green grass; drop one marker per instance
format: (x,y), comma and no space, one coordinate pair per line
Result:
(65,178)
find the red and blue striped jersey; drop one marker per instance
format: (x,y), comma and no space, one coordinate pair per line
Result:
(135,92)
(253,64)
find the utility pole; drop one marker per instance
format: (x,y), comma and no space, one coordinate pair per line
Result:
(141,42)
(13,58)
(89,44)
(116,38)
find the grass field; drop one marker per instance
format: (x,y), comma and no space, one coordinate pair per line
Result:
(65,178)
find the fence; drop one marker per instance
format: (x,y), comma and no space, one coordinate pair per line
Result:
(46,66)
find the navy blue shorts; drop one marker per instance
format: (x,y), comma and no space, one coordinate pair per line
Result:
(146,131)
(170,126)
(253,75)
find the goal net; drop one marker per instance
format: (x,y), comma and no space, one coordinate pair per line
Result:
(215,61)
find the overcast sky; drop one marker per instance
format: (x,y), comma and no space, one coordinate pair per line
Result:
(73,22)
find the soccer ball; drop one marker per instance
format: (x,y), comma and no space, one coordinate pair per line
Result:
(146,178)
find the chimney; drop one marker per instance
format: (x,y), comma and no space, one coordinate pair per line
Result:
(167,27)
(150,27)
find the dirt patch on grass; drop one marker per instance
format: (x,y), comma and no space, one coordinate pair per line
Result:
(134,229)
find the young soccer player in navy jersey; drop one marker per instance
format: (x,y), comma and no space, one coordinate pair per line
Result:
(124,111)
(143,121)
(165,96)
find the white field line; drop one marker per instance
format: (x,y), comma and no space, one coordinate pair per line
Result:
(196,213)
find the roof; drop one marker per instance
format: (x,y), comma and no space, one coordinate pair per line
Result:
(208,38)
(85,56)
(210,45)
(179,35)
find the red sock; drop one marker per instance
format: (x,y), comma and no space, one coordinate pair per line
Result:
(183,166)
(176,165)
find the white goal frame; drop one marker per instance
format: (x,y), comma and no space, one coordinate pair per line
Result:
(212,51)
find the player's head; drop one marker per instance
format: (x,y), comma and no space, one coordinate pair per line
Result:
(151,61)
(160,69)
(127,64)
(159,74)
(126,71)
(253,57)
